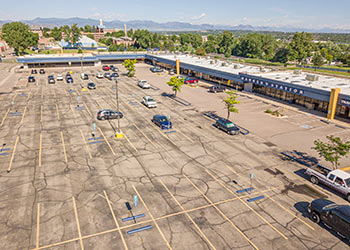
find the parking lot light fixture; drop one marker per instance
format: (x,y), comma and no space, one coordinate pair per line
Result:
(119,133)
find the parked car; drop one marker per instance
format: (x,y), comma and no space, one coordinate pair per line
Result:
(171,72)
(68,75)
(42,71)
(149,102)
(156,70)
(191,80)
(111,67)
(144,84)
(91,85)
(84,76)
(162,122)
(115,69)
(51,79)
(69,79)
(105,67)
(335,217)
(34,71)
(217,89)
(108,114)
(338,179)
(99,75)
(31,79)
(227,126)
(108,76)
(59,77)
(114,76)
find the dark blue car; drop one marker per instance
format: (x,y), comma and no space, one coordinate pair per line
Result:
(162,122)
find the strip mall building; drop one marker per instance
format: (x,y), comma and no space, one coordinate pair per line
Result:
(315,92)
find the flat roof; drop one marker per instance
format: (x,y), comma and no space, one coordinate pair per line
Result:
(226,66)
(321,82)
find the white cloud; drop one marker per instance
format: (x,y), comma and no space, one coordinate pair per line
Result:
(198,17)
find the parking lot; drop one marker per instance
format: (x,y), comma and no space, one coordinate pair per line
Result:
(65,181)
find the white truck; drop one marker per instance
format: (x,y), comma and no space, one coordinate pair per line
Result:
(149,102)
(338,179)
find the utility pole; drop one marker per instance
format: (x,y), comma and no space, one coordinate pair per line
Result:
(119,133)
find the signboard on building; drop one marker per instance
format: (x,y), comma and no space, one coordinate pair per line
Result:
(344,102)
(274,85)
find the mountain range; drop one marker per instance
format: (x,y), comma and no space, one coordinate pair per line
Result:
(167,26)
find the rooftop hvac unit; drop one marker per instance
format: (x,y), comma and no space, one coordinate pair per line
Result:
(297,72)
(262,69)
(236,66)
(223,64)
(312,77)
(211,62)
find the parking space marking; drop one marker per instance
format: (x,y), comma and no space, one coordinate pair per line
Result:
(40,148)
(243,202)
(87,147)
(64,148)
(24,112)
(188,216)
(13,154)
(222,214)
(98,104)
(73,111)
(288,211)
(29,96)
(4,118)
(42,93)
(231,169)
(188,138)
(144,135)
(154,221)
(41,113)
(77,221)
(130,142)
(14,98)
(37,226)
(58,114)
(87,108)
(115,219)
(104,137)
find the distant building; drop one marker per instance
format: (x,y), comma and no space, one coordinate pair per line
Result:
(84,42)
(204,39)
(100,27)
(125,40)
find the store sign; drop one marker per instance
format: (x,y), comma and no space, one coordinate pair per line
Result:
(345,102)
(274,85)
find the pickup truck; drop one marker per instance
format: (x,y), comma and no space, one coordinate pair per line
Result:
(335,217)
(149,102)
(338,179)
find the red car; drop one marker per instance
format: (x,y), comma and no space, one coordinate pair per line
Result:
(191,80)
(105,67)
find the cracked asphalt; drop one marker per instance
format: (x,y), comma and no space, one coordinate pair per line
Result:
(62,188)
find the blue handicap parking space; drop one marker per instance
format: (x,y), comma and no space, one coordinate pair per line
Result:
(14,114)
(4,153)
(133,217)
(80,108)
(169,132)
(94,142)
(139,229)
(256,198)
(244,190)
(4,149)
(22,94)
(95,138)
(133,103)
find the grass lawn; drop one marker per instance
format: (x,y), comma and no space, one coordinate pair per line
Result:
(262,62)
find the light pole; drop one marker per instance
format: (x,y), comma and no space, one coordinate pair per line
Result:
(119,133)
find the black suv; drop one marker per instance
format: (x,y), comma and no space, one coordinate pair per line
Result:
(108,114)
(216,89)
(227,126)
(336,217)
(31,79)
(42,71)
(34,71)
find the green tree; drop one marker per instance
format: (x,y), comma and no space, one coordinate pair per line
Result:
(332,150)
(176,84)
(80,51)
(72,33)
(130,66)
(230,102)
(87,29)
(91,36)
(56,34)
(119,33)
(18,36)
(200,52)
(317,59)
(45,32)
(301,46)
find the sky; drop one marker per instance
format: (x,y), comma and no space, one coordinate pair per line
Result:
(290,13)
